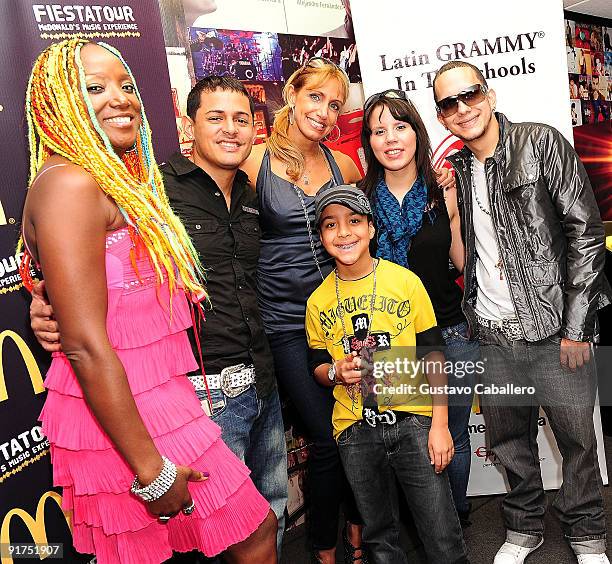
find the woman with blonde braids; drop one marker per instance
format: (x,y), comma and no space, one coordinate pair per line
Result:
(143,470)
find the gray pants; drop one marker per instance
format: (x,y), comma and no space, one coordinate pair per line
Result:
(567,398)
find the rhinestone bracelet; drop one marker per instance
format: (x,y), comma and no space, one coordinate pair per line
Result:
(157,487)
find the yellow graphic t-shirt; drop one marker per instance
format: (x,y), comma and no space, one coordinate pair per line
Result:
(402,309)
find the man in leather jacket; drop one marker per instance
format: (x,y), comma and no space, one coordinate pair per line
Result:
(534,281)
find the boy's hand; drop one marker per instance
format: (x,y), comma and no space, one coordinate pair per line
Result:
(441,447)
(348,369)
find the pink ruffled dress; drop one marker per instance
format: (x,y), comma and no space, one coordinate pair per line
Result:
(108,520)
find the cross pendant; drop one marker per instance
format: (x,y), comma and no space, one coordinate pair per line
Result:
(500,265)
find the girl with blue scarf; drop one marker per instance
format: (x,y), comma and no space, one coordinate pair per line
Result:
(418,227)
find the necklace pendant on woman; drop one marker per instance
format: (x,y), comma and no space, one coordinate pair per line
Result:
(305,179)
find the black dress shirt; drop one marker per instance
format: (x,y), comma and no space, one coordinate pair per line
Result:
(228,244)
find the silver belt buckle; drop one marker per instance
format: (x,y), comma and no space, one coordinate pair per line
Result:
(488,323)
(226,381)
(372,418)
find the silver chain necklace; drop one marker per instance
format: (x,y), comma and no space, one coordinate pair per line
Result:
(307,217)
(309,228)
(345,341)
(499,265)
(354,389)
(482,208)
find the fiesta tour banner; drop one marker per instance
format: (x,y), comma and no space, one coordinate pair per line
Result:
(30,509)
(524,61)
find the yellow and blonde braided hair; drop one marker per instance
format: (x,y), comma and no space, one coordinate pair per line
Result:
(61,121)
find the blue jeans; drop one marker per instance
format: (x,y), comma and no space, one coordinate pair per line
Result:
(372,458)
(459,348)
(567,398)
(326,488)
(252,428)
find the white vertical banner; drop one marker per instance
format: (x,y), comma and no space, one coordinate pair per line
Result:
(523,58)
(524,61)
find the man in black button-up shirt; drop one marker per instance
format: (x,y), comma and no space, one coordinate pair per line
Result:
(228,244)
(219,210)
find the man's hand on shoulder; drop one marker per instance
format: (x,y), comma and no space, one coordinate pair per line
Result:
(574,354)
(42,322)
(446,178)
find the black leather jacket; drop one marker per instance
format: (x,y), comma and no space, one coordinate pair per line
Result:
(549,231)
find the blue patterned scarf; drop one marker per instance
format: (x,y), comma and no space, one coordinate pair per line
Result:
(397,225)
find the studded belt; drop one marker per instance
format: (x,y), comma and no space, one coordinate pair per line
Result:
(510,327)
(232,381)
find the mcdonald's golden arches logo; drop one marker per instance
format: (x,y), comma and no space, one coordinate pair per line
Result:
(2,215)
(3,219)
(35,525)
(28,359)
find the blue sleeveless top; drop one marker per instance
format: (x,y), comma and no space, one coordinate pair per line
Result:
(287,273)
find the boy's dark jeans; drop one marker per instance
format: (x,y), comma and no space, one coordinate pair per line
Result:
(372,458)
(567,398)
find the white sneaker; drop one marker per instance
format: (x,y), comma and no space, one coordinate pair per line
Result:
(592,559)
(510,553)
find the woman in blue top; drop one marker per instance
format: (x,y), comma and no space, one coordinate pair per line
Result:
(417,225)
(289,171)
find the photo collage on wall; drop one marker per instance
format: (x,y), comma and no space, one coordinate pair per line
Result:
(262,43)
(262,56)
(589,61)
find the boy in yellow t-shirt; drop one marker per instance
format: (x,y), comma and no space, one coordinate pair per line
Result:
(367,324)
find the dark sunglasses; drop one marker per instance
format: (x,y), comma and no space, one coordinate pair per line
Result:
(389,94)
(471,96)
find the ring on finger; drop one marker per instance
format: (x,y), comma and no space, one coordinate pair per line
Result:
(163,519)
(189,509)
